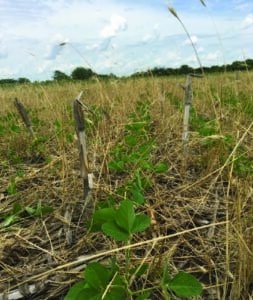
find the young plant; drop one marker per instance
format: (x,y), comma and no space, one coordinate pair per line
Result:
(204,127)
(100,282)
(115,280)
(121,223)
(18,212)
(181,284)
(109,282)
(134,152)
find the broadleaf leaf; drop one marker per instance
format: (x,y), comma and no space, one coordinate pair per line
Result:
(141,223)
(185,285)
(125,216)
(114,231)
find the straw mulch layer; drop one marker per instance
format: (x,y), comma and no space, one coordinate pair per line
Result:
(201,213)
(41,257)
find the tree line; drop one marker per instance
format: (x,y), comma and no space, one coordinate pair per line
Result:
(81,73)
(185,69)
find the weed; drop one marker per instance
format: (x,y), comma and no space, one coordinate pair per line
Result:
(19,212)
(203,126)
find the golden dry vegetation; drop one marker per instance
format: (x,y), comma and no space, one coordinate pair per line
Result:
(201,206)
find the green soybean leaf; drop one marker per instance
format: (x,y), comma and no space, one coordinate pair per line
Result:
(185,285)
(161,167)
(88,293)
(16,208)
(115,293)
(42,210)
(12,188)
(137,196)
(145,165)
(114,231)
(116,165)
(141,223)
(131,140)
(117,290)
(30,210)
(104,215)
(125,216)
(9,220)
(74,291)
(96,275)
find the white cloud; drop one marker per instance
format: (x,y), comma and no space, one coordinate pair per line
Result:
(43,67)
(213,56)
(173,56)
(53,51)
(151,38)
(147,39)
(117,36)
(117,24)
(194,39)
(248,21)
(100,46)
(200,49)
(192,60)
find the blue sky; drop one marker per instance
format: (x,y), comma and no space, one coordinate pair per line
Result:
(119,36)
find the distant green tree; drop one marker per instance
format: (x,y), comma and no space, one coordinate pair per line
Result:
(81,73)
(58,76)
(249,63)
(158,71)
(106,76)
(215,69)
(185,69)
(237,66)
(23,80)
(8,81)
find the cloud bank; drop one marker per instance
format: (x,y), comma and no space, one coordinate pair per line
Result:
(119,37)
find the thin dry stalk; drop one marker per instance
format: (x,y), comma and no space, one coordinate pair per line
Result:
(89,258)
(24,115)
(187,101)
(174,13)
(162,101)
(80,131)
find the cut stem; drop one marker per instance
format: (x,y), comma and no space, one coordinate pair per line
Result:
(25,118)
(80,131)
(187,105)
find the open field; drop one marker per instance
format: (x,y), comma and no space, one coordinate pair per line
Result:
(199,198)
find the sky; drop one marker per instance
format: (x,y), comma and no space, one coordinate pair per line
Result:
(120,36)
